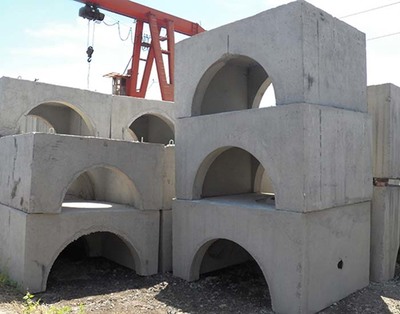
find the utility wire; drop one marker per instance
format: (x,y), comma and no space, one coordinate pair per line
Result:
(383,36)
(369,10)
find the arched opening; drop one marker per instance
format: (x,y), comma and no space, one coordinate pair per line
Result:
(101,187)
(153,129)
(59,117)
(236,272)
(233,83)
(236,174)
(90,258)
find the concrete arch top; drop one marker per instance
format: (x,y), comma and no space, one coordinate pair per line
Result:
(93,107)
(49,163)
(301,73)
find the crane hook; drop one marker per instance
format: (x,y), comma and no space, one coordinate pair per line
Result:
(89,53)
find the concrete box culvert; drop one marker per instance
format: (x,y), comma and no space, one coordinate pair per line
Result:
(308,152)
(275,39)
(294,250)
(88,113)
(58,160)
(28,253)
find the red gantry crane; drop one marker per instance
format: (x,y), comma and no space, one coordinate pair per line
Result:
(156,21)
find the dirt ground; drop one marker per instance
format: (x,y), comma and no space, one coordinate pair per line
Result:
(100,286)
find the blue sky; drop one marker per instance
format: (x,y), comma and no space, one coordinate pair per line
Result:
(46,39)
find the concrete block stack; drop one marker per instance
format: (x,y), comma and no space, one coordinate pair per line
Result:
(291,185)
(79,179)
(384,107)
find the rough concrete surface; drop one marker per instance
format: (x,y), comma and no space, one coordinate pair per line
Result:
(299,254)
(316,157)
(384,106)
(56,161)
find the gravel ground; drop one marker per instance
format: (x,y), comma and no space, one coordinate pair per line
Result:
(100,286)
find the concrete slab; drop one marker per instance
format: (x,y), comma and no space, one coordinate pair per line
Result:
(316,157)
(309,56)
(309,260)
(67,110)
(27,252)
(37,170)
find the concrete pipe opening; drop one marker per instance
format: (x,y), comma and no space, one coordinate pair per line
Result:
(56,117)
(100,188)
(92,258)
(233,271)
(236,175)
(152,129)
(233,83)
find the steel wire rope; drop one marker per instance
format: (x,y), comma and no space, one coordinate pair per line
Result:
(369,10)
(374,9)
(383,36)
(90,46)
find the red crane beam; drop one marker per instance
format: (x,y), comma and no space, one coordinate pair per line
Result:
(156,20)
(141,12)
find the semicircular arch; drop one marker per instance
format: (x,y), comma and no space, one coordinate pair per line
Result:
(153,127)
(199,252)
(234,82)
(135,253)
(126,191)
(209,159)
(55,111)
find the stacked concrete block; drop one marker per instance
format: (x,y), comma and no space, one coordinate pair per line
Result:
(65,110)
(384,107)
(143,120)
(289,185)
(79,178)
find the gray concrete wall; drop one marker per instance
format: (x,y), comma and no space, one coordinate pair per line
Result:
(53,162)
(12,243)
(297,252)
(385,232)
(310,57)
(316,157)
(384,106)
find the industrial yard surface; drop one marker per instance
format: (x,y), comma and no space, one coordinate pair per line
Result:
(98,286)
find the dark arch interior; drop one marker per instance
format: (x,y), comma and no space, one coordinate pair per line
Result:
(238,273)
(89,257)
(62,118)
(103,185)
(152,129)
(238,84)
(236,172)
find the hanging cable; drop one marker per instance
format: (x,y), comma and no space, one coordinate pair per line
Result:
(122,38)
(383,36)
(369,10)
(90,50)
(119,33)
